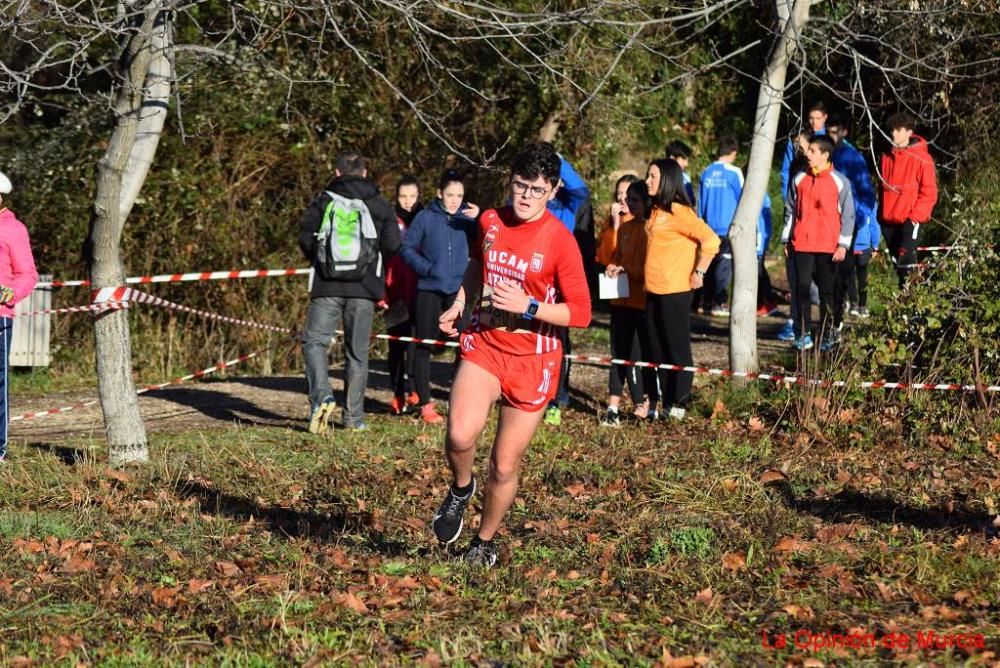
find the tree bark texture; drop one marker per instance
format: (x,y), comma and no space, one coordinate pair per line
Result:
(550,128)
(743,234)
(139,108)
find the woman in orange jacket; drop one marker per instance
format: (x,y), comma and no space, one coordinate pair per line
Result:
(628,314)
(679,251)
(608,238)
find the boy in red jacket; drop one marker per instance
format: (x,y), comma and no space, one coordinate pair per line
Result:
(909,192)
(17,279)
(819,229)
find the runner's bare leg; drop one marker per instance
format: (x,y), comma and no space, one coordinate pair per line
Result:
(473,393)
(515,430)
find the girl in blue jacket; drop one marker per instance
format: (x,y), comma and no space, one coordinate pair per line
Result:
(437,248)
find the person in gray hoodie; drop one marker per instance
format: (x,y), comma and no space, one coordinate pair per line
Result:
(437,248)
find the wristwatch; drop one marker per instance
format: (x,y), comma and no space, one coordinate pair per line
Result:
(700,272)
(529,313)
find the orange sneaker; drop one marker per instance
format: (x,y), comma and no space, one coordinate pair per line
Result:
(398,405)
(429,415)
(412,399)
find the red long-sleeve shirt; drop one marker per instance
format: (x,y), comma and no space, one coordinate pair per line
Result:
(544,259)
(909,184)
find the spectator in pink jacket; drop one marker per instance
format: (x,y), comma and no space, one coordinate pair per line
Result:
(17,279)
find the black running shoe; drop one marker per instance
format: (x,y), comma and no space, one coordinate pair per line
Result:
(481,553)
(447,522)
(611,419)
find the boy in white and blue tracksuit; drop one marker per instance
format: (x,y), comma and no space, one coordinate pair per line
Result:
(765,293)
(719,193)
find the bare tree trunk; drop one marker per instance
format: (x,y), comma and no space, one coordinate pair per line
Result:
(743,321)
(550,127)
(140,109)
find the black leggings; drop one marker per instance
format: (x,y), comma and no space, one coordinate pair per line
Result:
(629,342)
(818,267)
(429,307)
(901,240)
(851,283)
(401,358)
(857,284)
(765,293)
(668,321)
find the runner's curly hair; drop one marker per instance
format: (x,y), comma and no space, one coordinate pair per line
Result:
(536,160)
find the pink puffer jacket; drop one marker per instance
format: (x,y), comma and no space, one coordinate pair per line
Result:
(17,266)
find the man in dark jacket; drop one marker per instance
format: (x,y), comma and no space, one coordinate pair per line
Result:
(349,300)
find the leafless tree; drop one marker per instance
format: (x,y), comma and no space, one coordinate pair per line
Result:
(871,58)
(573,53)
(56,46)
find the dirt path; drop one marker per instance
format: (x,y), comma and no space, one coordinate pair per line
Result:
(279,401)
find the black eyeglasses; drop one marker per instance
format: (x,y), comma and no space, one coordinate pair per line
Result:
(535,192)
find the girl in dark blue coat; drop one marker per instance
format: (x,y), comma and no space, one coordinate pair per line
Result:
(437,248)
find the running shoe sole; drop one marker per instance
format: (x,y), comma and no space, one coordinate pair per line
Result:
(319,423)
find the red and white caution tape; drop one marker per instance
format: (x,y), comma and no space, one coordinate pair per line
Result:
(143,390)
(926,249)
(196,276)
(90,308)
(123,294)
(792,380)
(726,373)
(301,271)
(933,249)
(413,339)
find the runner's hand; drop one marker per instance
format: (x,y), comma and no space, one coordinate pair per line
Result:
(449,319)
(470,210)
(613,270)
(839,254)
(508,296)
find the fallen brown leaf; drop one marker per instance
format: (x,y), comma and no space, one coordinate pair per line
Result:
(172,554)
(196,586)
(276,581)
(78,563)
(165,597)
(790,544)
(227,569)
(799,612)
(351,601)
(771,476)
(734,561)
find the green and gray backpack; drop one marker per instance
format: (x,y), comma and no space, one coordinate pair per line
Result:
(347,242)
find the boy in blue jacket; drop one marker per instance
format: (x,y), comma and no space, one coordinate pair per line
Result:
(680,153)
(719,192)
(568,205)
(817,117)
(853,272)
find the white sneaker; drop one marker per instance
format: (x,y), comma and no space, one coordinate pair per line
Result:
(677,413)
